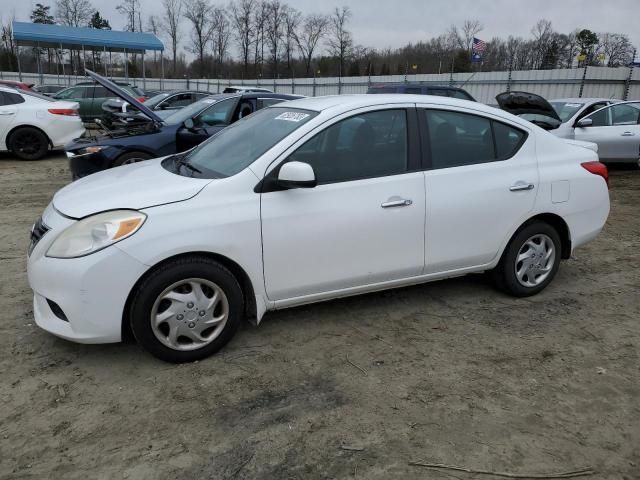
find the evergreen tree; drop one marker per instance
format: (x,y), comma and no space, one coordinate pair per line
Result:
(98,22)
(41,14)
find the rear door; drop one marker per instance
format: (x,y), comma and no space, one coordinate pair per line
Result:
(481,184)
(616,130)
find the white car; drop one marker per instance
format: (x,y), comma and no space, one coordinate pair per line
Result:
(31,123)
(317,199)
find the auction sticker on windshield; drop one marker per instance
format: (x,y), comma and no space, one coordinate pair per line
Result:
(292,116)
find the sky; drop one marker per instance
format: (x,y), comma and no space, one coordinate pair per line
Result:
(394,23)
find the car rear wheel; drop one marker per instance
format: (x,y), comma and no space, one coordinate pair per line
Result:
(187,309)
(131,157)
(530,260)
(28,143)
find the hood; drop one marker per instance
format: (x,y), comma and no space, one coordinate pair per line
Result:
(519,103)
(113,88)
(136,186)
(579,143)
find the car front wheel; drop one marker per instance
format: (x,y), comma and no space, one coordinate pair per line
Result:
(187,309)
(530,260)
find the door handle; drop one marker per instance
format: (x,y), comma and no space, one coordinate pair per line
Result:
(397,203)
(6,112)
(627,134)
(521,186)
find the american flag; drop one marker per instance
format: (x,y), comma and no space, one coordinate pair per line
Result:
(479,46)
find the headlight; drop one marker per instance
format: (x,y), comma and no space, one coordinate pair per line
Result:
(87,150)
(94,233)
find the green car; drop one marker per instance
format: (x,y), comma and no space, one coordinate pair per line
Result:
(91,96)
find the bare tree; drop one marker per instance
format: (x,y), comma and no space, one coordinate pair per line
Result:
(74,13)
(617,49)
(259,25)
(543,35)
(221,34)
(314,28)
(470,28)
(153,26)
(241,20)
(199,13)
(292,19)
(131,10)
(274,30)
(340,39)
(171,23)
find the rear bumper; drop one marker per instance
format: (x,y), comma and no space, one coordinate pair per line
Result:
(66,131)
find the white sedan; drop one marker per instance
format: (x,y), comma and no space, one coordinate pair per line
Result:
(309,201)
(31,123)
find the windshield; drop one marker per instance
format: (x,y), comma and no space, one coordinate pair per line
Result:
(191,110)
(153,101)
(238,146)
(566,110)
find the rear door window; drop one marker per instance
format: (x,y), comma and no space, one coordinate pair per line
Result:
(458,139)
(10,98)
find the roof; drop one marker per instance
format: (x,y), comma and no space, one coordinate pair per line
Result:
(584,100)
(344,103)
(44,35)
(413,84)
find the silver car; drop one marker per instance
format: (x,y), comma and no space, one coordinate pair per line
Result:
(611,124)
(616,130)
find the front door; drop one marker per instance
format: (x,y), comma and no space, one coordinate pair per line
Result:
(364,221)
(616,130)
(8,109)
(481,185)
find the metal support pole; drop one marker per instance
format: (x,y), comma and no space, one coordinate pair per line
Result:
(162,70)
(627,85)
(106,72)
(18,58)
(62,61)
(39,64)
(144,77)
(126,65)
(84,59)
(584,78)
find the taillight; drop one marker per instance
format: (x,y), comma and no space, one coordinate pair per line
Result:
(141,99)
(69,112)
(597,168)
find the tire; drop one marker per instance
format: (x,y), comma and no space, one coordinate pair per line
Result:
(28,143)
(176,330)
(131,157)
(530,261)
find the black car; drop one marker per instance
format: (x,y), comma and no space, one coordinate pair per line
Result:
(156,137)
(421,89)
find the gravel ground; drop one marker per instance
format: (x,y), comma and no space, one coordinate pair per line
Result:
(450,372)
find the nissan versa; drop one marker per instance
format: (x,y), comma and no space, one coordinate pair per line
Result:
(307,201)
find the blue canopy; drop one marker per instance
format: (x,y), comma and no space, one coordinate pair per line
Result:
(55,36)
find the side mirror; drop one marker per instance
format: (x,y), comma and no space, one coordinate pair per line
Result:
(584,122)
(188,124)
(297,175)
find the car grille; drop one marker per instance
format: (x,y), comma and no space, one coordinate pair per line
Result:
(38,231)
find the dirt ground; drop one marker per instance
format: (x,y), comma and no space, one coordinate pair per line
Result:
(450,372)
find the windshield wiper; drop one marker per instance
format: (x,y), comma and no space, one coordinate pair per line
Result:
(181,161)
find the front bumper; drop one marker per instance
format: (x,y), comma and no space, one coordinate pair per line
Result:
(91,290)
(83,165)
